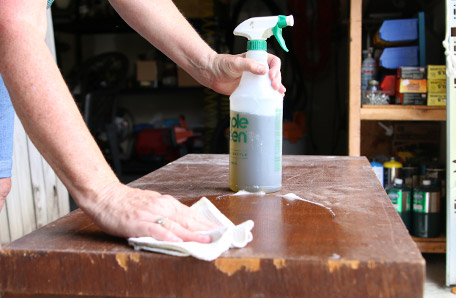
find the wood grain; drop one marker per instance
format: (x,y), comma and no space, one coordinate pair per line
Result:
(299,248)
(403,113)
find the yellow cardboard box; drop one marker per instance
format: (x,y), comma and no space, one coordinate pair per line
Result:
(437,99)
(436,86)
(411,86)
(437,72)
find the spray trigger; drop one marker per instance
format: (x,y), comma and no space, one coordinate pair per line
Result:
(283,22)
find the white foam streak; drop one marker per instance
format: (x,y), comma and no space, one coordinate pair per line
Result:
(292,196)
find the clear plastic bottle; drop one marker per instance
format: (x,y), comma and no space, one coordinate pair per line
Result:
(368,70)
(256,115)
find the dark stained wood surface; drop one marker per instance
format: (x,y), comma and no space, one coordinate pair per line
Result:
(298,249)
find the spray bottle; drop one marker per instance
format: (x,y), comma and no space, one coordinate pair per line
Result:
(256,114)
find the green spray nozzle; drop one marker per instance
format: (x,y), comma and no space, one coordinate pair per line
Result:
(257,30)
(277,30)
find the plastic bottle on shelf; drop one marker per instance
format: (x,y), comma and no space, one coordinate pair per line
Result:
(368,70)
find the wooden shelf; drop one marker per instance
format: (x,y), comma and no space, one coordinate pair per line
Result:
(431,245)
(402,113)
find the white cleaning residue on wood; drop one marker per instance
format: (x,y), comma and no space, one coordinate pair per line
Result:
(292,196)
(244,192)
(241,193)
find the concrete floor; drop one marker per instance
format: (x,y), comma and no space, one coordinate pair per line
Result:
(434,287)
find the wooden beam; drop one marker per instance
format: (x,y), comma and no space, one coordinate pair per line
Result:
(354,91)
(403,113)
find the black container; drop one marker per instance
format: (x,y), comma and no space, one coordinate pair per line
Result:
(437,175)
(401,196)
(410,175)
(426,211)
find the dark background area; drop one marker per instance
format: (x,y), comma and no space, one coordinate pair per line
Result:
(315,73)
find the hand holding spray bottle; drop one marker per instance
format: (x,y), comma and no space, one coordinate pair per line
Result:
(256,111)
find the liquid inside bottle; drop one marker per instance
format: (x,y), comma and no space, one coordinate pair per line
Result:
(255,151)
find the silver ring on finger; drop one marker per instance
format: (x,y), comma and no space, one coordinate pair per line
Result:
(161,221)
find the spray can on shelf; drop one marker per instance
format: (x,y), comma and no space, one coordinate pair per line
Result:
(426,210)
(256,114)
(400,196)
(391,171)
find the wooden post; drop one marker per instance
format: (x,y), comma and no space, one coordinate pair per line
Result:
(354,91)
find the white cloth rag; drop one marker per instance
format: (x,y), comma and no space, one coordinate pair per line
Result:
(224,238)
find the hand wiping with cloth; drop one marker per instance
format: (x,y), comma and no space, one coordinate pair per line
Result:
(226,237)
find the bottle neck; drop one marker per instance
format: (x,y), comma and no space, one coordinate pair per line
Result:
(258,55)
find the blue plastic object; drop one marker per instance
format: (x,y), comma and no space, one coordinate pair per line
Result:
(392,58)
(399,30)
(422,38)
(378,169)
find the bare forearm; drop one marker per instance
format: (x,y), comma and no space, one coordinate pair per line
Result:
(49,114)
(161,23)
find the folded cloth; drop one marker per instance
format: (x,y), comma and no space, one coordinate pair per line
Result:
(224,238)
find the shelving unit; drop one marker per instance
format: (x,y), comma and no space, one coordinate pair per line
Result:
(359,113)
(431,245)
(402,113)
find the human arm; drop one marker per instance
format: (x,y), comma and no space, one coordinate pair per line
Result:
(161,23)
(52,120)
(5,187)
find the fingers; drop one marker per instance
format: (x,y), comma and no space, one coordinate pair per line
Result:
(179,222)
(172,231)
(234,66)
(183,233)
(186,216)
(274,73)
(240,64)
(274,66)
(190,220)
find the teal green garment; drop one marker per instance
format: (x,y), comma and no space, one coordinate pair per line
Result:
(49,3)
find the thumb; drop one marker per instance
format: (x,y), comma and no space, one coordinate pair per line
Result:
(247,64)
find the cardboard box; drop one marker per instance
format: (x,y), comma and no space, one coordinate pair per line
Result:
(147,71)
(411,86)
(185,80)
(437,86)
(437,99)
(411,72)
(411,98)
(437,72)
